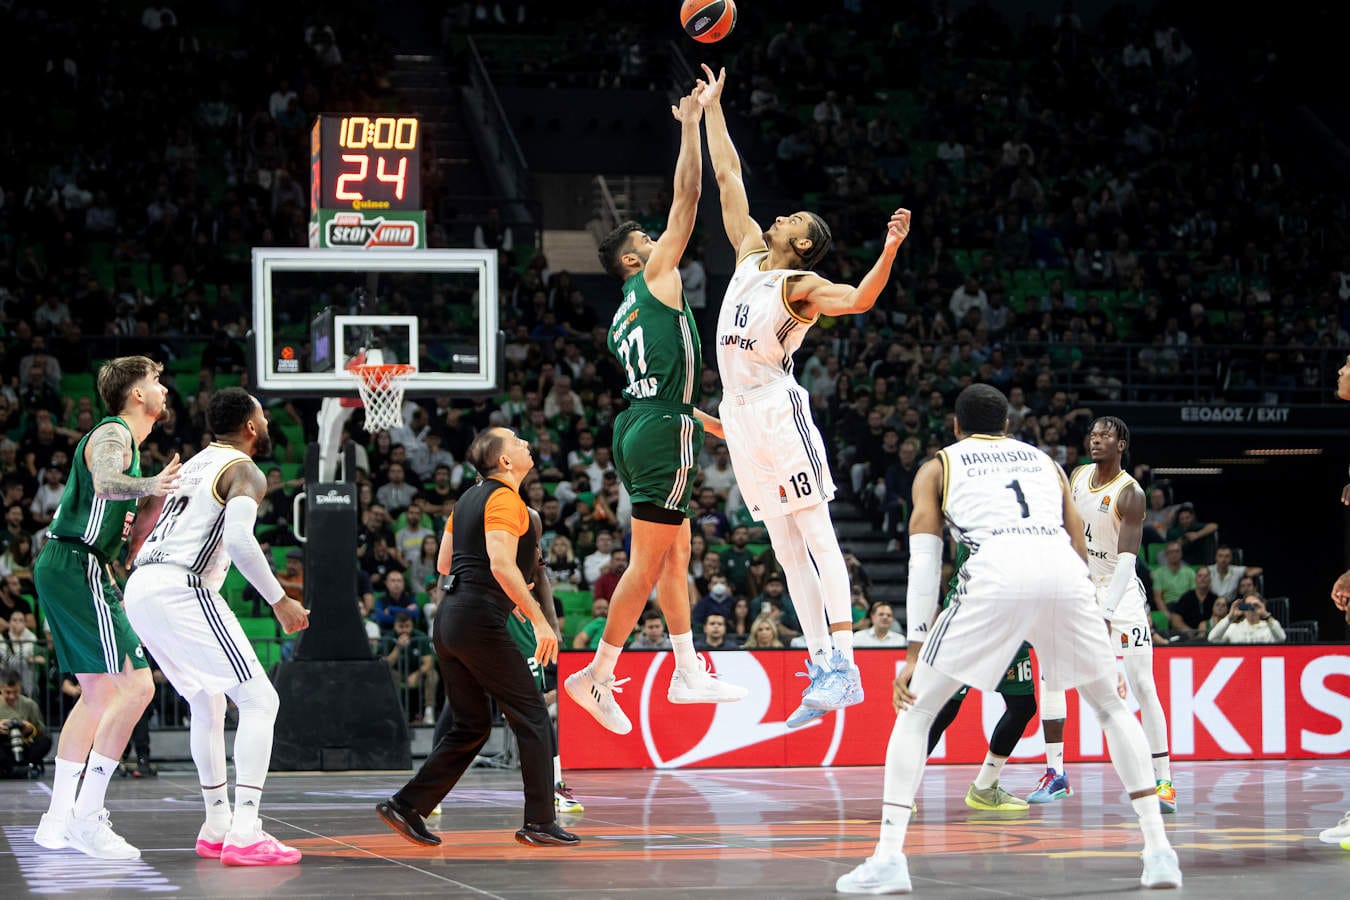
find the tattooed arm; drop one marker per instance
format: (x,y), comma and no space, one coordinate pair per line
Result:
(108,454)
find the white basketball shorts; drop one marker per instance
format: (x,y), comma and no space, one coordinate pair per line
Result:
(776,450)
(1015,589)
(189,629)
(1131,631)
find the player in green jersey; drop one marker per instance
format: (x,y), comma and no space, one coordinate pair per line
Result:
(94,642)
(656,440)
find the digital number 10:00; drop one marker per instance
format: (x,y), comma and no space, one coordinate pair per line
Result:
(360,132)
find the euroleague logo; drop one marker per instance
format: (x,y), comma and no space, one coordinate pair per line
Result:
(744,733)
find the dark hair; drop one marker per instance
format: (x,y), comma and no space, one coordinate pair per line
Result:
(11,677)
(615,245)
(652,615)
(229,410)
(819,234)
(485,450)
(981,409)
(1116,424)
(401,617)
(116,377)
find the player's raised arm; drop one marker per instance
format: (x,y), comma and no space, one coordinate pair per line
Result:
(743,231)
(821,296)
(669,248)
(243,486)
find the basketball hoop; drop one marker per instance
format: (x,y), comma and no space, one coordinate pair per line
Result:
(381,388)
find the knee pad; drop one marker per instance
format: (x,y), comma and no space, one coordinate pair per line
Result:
(1054,705)
(256,696)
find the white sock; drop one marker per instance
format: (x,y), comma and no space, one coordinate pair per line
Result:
(606,658)
(1054,756)
(843,642)
(685,657)
(894,823)
(97,772)
(246,802)
(217,801)
(1162,767)
(1151,822)
(64,786)
(557,770)
(989,772)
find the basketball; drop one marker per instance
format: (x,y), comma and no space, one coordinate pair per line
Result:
(708,21)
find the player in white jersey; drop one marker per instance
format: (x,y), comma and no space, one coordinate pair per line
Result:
(1025,579)
(776,451)
(1340,596)
(173,601)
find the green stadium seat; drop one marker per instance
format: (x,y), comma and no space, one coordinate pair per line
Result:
(260,627)
(279,557)
(269,653)
(78,384)
(233,588)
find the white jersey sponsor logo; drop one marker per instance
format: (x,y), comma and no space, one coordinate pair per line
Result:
(190,529)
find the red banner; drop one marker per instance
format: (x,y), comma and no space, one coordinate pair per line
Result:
(1220,702)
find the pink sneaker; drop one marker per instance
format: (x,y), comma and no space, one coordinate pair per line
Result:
(265,851)
(210,842)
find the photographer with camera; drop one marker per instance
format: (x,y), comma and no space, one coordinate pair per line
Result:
(1248,623)
(22,727)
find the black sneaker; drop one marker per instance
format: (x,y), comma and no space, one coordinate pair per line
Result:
(144,769)
(550,834)
(406,821)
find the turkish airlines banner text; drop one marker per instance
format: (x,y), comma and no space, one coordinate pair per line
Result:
(1221,703)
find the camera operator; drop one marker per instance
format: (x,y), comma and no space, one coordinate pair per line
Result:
(1248,623)
(22,728)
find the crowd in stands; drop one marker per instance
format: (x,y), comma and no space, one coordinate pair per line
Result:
(1092,221)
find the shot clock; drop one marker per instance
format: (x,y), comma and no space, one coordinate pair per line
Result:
(366,182)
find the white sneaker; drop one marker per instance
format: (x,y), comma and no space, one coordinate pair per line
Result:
(877,875)
(702,686)
(1333,835)
(94,837)
(51,831)
(1161,869)
(597,698)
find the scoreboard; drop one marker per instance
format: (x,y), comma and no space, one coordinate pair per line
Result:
(366,182)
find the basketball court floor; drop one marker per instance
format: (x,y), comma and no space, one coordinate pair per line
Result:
(1244,830)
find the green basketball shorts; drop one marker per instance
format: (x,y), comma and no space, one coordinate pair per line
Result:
(656,448)
(83,609)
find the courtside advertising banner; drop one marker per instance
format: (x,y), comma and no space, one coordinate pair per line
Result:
(1221,703)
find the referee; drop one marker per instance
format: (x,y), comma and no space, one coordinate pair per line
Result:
(491,547)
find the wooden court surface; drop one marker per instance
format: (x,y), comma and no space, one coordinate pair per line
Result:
(1243,830)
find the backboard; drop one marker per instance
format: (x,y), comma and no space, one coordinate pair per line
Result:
(316,310)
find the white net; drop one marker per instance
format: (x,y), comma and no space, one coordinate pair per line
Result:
(381,389)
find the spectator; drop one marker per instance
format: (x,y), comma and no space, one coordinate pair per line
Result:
(292,580)
(1217,613)
(735,560)
(1191,534)
(595,562)
(12,601)
(1248,623)
(20,710)
(397,493)
(379,565)
(881,633)
(708,519)
(1158,520)
(409,656)
(763,635)
(1192,608)
(588,637)
(740,621)
(609,578)
(1226,575)
(715,634)
(491,234)
(653,636)
(717,601)
(1172,579)
(719,477)
(438,499)
(426,455)
(416,529)
(18,560)
(396,598)
(564,571)
(421,573)
(20,651)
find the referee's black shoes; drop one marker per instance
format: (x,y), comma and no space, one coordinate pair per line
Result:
(406,821)
(550,834)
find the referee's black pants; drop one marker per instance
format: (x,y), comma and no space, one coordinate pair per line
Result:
(479,663)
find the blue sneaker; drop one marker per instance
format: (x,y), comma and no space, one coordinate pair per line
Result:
(1053,786)
(804,713)
(841,686)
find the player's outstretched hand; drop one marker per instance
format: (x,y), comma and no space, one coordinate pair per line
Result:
(901,696)
(711,425)
(689,109)
(167,479)
(1340,594)
(897,229)
(291,614)
(712,91)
